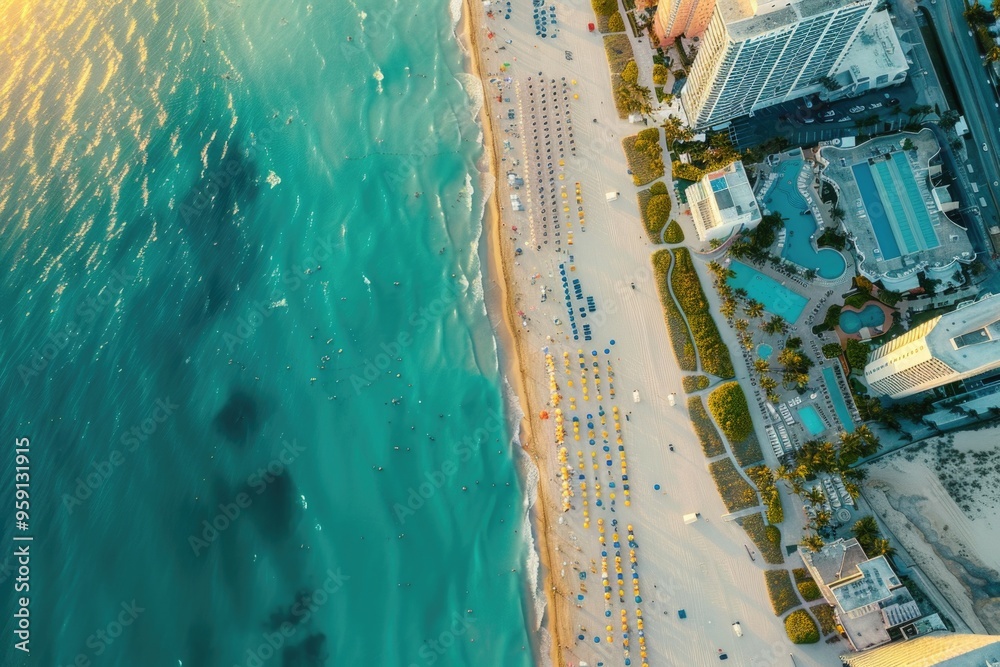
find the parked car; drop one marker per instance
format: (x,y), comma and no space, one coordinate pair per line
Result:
(893,101)
(857,109)
(808,120)
(738,629)
(830,114)
(877,105)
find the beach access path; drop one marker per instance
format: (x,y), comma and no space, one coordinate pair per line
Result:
(704,567)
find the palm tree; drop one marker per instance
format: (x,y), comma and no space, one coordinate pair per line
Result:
(728,308)
(865,530)
(812,542)
(773,398)
(853,490)
(881,547)
(822,519)
(801,380)
(754,308)
(761,366)
(742,325)
(742,293)
(776,324)
(768,383)
(815,496)
(869,441)
(715,268)
(855,474)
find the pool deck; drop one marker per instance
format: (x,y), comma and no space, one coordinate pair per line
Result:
(771,173)
(837,170)
(865,333)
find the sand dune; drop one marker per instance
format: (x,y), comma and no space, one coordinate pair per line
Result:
(940,498)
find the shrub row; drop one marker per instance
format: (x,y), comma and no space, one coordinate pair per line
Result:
(729,407)
(711,443)
(764,479)
(619,51)
(674,233)
(736,492)
(801,628)
(680,337)
(767,539)
(824,614)
(645,159)
(685,284)
(781,591)
(654,209)
(809,590)
(693,383)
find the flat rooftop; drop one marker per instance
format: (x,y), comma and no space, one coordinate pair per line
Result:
(732,192)
(748,18)
(874,585)
(968,338)
(889,208)
(837,560)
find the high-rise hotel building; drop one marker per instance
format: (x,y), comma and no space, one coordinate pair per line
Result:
(956,346)
(754,55)
(684,17)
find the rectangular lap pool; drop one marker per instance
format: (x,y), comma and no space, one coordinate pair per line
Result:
(777,299)
(810,419)
(896,210)
(843,414)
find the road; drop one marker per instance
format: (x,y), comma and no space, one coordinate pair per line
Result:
(976,90)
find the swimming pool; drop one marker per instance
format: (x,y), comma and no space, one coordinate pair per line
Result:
(784,198)
(870,316)
(810,419)
(764,351)
(776,298)
(896,210)
(839,405)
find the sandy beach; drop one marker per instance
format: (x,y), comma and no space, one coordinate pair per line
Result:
(704,568)
(941,499)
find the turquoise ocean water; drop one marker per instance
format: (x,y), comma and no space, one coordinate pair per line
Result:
(266,417)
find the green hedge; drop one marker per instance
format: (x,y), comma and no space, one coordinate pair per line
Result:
(809,591)
(687,288)
(615,23)
(605,7)
(801,628)
(781,591)
(711,443)
(660,74)
(729,407)
(856,353)
(645,159)
(764,479)
(736,492)
(674,233)
(618,48)
(767,539)
(824,614)
(693,383)
(680,337)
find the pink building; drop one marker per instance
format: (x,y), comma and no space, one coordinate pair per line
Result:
(682,17)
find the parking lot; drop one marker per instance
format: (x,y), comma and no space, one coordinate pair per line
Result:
(805,125)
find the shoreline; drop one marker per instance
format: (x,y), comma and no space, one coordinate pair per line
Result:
(511,347)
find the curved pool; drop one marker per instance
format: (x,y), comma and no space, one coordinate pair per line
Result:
(764,350)
(870,316)
(800,225)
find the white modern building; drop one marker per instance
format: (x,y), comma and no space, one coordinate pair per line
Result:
(756,54)
(722,202)
(948,348)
